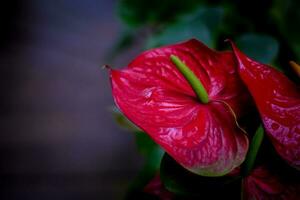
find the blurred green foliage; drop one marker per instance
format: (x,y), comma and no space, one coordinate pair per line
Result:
(267,31)
(137,13)
(286,15)
(152,155)
(184,183)
(150,151)
(263,48)
(203,23)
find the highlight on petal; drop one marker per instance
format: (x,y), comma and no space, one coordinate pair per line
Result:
(155,96)
(278,102)
(261,184)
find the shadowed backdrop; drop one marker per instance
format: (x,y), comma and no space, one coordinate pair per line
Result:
(58,138)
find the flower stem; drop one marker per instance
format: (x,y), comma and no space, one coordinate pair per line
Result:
(253,150)
(191,78)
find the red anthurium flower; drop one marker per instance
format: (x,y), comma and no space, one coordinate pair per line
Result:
(155,187)
(278,101)
(202,137)
(261,184)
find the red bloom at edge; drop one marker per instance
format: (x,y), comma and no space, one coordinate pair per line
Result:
(203,138)
(278,101)
(155,187)
(261,184)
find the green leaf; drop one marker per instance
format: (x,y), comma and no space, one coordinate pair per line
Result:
(287,16)
(153,158)
(137,13)
(152,154)
(211,17)
(203,24)
(180,32)
(253,150)
(260,47)
(183,182)
(123,121)
(145,144)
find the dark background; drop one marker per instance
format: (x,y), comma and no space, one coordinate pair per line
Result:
(58,138)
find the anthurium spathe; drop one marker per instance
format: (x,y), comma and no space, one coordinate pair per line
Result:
(204,137)
(263,184)
(156,188)
(278,101)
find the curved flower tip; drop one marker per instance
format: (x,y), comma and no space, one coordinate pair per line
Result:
(154,94)
(295,67)
(278,102)
(261,184)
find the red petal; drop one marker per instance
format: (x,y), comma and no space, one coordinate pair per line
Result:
(261,184)
(155,187)
(278,101)
(153,94)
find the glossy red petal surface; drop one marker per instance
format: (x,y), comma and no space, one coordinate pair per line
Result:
(261,184)
(154,95)
(278,102)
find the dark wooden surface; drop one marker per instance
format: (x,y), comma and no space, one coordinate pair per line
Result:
(58,139)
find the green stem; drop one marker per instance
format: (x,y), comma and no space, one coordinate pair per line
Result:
(253,150)
(191,78)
